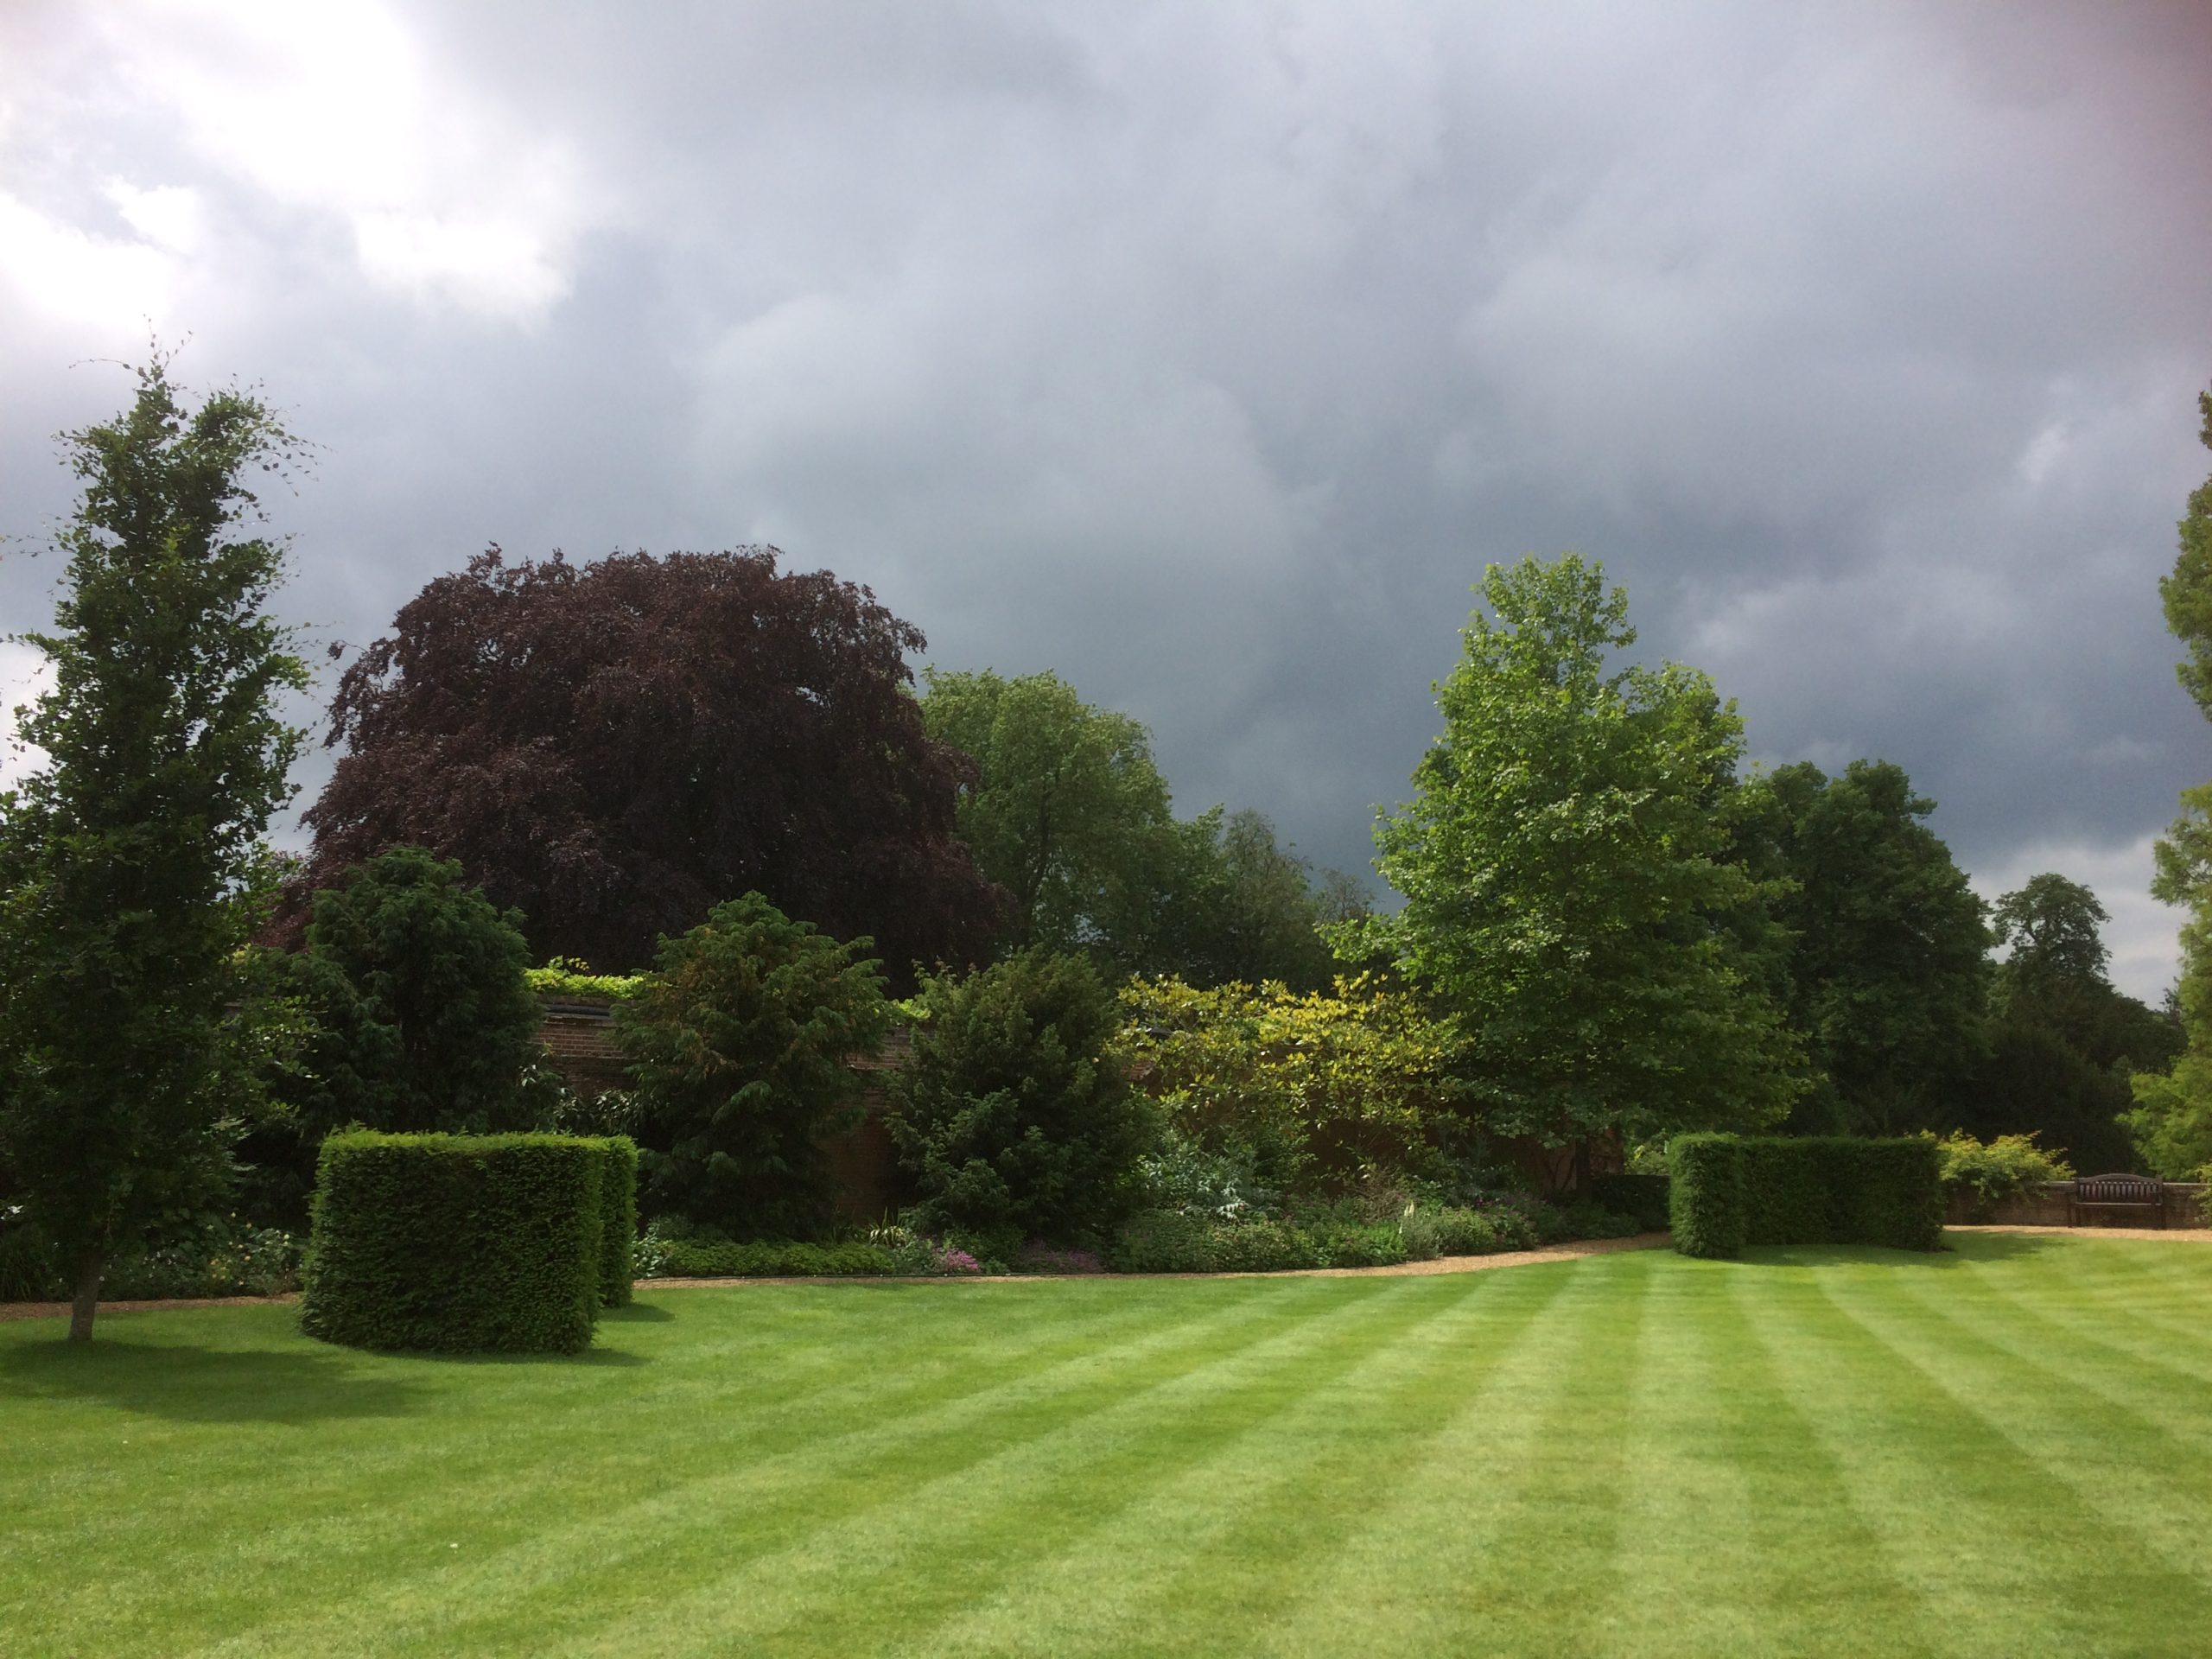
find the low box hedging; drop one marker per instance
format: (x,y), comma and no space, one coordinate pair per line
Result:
(1729,1190)
(685,1258)
(451,1243)
(618,1220)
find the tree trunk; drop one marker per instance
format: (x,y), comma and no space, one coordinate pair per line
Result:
(90,1267)
(1582,1168)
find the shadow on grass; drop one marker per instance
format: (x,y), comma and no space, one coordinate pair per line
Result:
(203,1385)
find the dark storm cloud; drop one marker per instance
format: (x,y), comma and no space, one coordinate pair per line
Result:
(1206,354)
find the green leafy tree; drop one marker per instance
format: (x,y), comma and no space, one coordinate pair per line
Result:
(1888,978)
(1235,905)
(1068,813)
(1009,1122)
(2061,1037)
(132,869)
(1566,867)
(740,1042)
(426,1020)
(2172,1119)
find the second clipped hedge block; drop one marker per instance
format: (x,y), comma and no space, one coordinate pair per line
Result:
(454,1243)
(1729,1190)
(618,1220)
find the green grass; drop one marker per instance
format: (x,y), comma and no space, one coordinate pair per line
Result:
(2006,1450)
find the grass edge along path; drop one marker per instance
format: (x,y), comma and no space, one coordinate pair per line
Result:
(1803,1452)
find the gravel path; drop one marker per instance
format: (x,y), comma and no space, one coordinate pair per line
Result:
(2197,1235)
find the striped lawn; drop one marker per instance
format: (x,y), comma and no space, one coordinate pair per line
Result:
(2003,1450)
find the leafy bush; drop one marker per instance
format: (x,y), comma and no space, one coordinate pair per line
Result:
(423,1019)
(217,1256)
(457,1244)
(740,1040)
(1180,1174)
(2004,1167)
(1465,1232)
(1317,1091)
(565,977)
(1644,1196)
(1042,1258)
(1595,1221)
(1731,1190)
(1007,1121)
(31,1265)
(1164,1241)
(770,1259)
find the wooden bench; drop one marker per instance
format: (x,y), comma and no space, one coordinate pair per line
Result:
(2115,1193)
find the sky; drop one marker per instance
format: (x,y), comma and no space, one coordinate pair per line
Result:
(1206,354)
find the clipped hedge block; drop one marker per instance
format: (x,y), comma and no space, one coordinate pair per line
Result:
(1704,1194)
(618,1220)
(1729,1191)
(454,1243)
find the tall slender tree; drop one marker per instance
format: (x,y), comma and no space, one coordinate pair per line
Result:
(132,864)
(2172,1120)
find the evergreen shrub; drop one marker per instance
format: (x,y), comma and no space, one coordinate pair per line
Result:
(450,1243)
(618,1219)
(1729,1191)
(686,1258)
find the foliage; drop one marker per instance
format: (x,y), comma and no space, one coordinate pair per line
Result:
(1888,978)
(2062,1039)
(1641,1197)
(695,1258)
(2171,1123)
(452,1243)
(221,1256)
(2034,1082)
(424,1020)
(1006,1117)
(1430,1231)
(618,1219)
(1999,1169)
(1309,1093)
(1180,1174)
(613,748)
(1068,813)
(1565,871)
(1729,1190)
(563,977)
(131,866)
(740,1041)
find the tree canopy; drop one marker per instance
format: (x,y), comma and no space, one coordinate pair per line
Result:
(1565,872)
(613,748)
(1888,976)
(131,865)
(1068,813)
(2172,1120)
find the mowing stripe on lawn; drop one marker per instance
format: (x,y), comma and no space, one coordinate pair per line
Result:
(2085,1438)
(2113,1362)
(631,1558)
(942,1539)
(1420,1572)
(1152,1567)
(1744,1537)
(416,1499)
(1997,1534)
